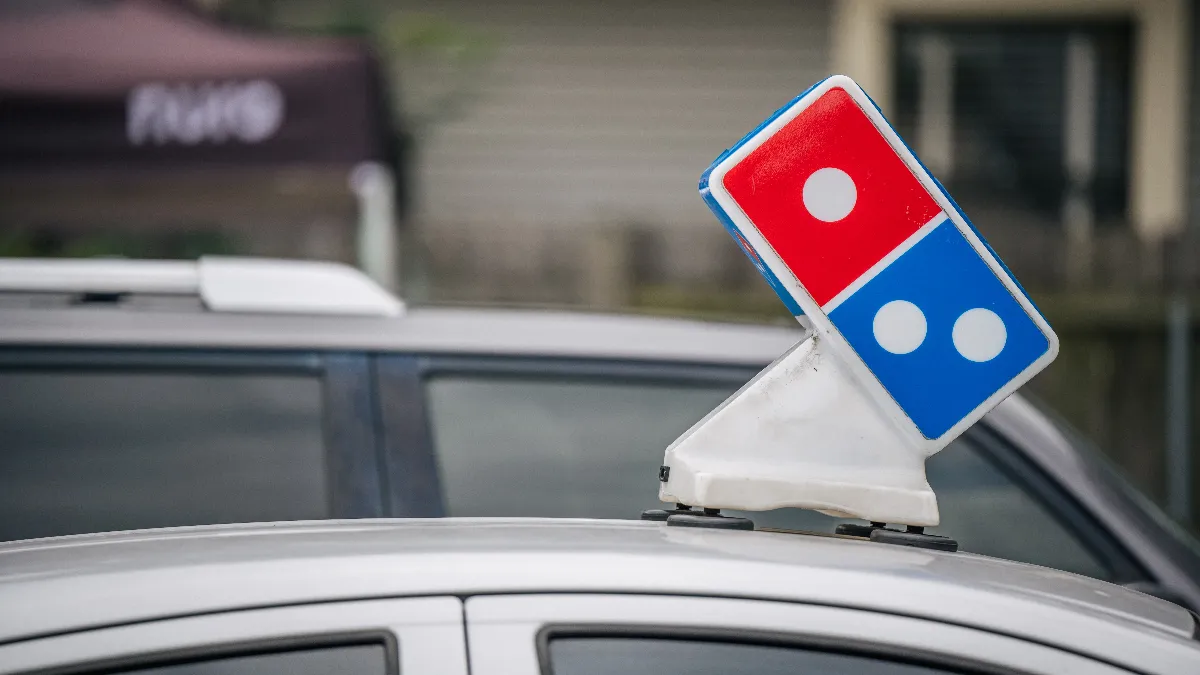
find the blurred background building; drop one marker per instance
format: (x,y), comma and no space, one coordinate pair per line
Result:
(548,152)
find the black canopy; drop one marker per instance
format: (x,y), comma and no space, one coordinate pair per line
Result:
(149,84)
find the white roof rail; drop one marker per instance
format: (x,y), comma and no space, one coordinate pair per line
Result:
(224,284)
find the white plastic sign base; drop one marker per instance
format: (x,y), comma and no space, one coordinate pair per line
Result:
(803,433)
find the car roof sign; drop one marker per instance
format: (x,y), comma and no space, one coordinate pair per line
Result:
(918,329)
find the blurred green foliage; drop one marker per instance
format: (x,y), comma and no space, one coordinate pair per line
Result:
(457,54)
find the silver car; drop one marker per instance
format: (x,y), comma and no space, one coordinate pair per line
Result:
(145,395)
(557,597)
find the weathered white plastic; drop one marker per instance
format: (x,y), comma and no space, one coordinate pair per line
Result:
(803,433)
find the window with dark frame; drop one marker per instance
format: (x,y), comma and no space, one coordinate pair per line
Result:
(628,655)
(355,659)
(103,450)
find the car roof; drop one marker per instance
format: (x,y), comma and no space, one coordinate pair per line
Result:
(423,330)
(71,583)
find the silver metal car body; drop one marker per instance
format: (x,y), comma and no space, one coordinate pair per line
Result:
(421,330)
(84,598)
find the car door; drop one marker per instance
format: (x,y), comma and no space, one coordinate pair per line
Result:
(99,439)
(589,634)
(414,636)
(506,436)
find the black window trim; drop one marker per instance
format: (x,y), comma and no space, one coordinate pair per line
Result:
(353,443)
(252,647)
(847,646)
(602,368)
(348,423)
(408,460)
(202,359)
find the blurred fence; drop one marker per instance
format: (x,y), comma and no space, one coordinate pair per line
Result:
(616,265)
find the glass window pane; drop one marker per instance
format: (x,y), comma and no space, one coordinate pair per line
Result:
(510,446)
(658,656)
(99,451)
(347,660)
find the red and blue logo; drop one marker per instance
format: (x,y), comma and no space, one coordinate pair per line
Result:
(866,243)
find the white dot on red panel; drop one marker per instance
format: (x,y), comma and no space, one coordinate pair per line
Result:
(899,327)
(979,335)
(829,194)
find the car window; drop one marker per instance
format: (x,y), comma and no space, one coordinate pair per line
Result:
(344,659)
(662,656)
(556,446)
(94,451)
(514,446)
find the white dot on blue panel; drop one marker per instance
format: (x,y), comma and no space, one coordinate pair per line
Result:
(979,334)
(899,327)
(972,338)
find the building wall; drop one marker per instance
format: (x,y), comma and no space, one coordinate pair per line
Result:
(607,111)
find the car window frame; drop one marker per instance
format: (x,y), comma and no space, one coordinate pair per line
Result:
(1058,503)
(950,664)
(348,424)
(1165,543)
(412,476)
(499,625)
(227,650)
(413,630)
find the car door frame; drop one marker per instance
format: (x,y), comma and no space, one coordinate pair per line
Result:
(348,425)
(515,630)
(422,636)
(414,484)
(1090,531)
(1108,503)
(411,474)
